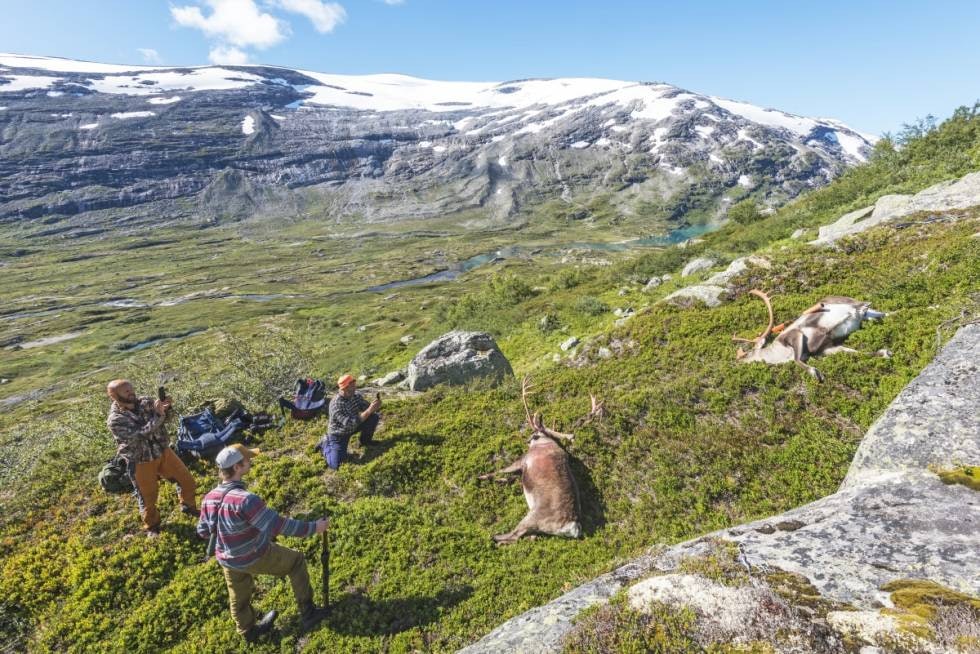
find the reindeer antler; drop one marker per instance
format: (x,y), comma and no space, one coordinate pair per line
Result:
(536,422)
(525,387)
(760,340)
(538,425)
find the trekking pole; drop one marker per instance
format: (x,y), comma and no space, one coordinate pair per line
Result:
(325,574)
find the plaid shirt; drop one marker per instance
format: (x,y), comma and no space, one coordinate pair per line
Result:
(345,414)
(139,434)
(245,525)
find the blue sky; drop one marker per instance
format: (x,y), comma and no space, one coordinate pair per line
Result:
(872,64)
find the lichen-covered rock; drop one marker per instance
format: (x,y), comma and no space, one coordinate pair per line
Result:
(391,378)
(707,293)
(953,194)
(457,358)
(697,265)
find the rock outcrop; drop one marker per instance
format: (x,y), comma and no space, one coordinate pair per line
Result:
(892,518)
(946,196)
(457,358)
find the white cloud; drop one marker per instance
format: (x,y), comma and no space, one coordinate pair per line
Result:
(150,55)
(227,54)
(237,23)
(394,2)
(325,16)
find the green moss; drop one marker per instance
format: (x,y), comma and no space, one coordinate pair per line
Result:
(720,565)
(618,627)
(921,597)
(968,476)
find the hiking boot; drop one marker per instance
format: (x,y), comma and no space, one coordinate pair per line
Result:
(261,627)
(311,616)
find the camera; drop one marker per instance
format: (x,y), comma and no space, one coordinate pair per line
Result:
(161,393)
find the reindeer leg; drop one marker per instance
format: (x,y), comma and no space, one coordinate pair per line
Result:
(512,469)
(836,349)
(528,523)
(797,340)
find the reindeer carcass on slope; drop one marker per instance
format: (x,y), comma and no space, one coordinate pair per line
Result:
(546,476)
(820,330)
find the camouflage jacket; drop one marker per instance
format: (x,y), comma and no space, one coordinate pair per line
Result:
(139,434)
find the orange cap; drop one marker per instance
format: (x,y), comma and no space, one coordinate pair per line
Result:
(345,381)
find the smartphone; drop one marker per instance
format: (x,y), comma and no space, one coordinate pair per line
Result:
(377,395)
(161,393)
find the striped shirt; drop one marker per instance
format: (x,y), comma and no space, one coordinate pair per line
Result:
(245,525)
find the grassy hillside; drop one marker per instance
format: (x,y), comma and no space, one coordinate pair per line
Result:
(694,441)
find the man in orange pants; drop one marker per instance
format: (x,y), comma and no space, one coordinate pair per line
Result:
(137,425)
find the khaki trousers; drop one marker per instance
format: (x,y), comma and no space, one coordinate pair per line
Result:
(278,561)
(146,479)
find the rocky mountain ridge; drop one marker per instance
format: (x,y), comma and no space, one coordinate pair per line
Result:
(78,141)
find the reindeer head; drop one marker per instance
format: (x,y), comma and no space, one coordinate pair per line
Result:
(538,429)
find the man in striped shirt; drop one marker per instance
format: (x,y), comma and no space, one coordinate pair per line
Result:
(243,528)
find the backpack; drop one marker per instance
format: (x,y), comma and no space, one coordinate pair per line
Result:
(309,400)
(204,434)
(114,476)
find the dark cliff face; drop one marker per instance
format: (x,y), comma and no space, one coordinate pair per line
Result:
(84,144)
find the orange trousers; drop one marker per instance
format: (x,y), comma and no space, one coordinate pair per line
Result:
(146,479)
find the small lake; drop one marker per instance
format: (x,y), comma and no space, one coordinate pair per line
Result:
(510,251)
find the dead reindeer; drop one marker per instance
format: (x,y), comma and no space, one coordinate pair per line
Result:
(821,329)
(549,485)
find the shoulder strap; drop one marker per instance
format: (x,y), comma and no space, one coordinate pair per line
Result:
(213,540)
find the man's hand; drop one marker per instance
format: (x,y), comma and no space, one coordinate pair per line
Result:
(162,406)
(372,409)
(322,524)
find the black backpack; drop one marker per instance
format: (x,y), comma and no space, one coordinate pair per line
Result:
(114,476)
(309,400)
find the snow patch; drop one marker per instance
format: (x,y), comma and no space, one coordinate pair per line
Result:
(439,148)
(609,123)
(852,144)
(172,100)
(88,126)
(275,117)
(603,142)
(617,128)
(55,94)
(64,65)
(745,180)
(123,115)
(425,144)
(26,82)
(502,161)
(248,125)
(768,117)
(578,145)
(704,130)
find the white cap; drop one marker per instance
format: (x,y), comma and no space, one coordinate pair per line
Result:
(233,454)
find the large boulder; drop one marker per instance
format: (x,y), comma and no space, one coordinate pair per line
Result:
(457,358)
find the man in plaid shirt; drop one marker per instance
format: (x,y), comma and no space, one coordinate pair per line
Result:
(350,414)
(243,528)
(137,425)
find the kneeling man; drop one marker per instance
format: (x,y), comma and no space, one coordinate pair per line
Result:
(350,414)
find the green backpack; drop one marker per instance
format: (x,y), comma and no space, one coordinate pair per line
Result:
(114,476)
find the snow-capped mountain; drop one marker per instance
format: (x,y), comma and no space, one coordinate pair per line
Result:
(79,141)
